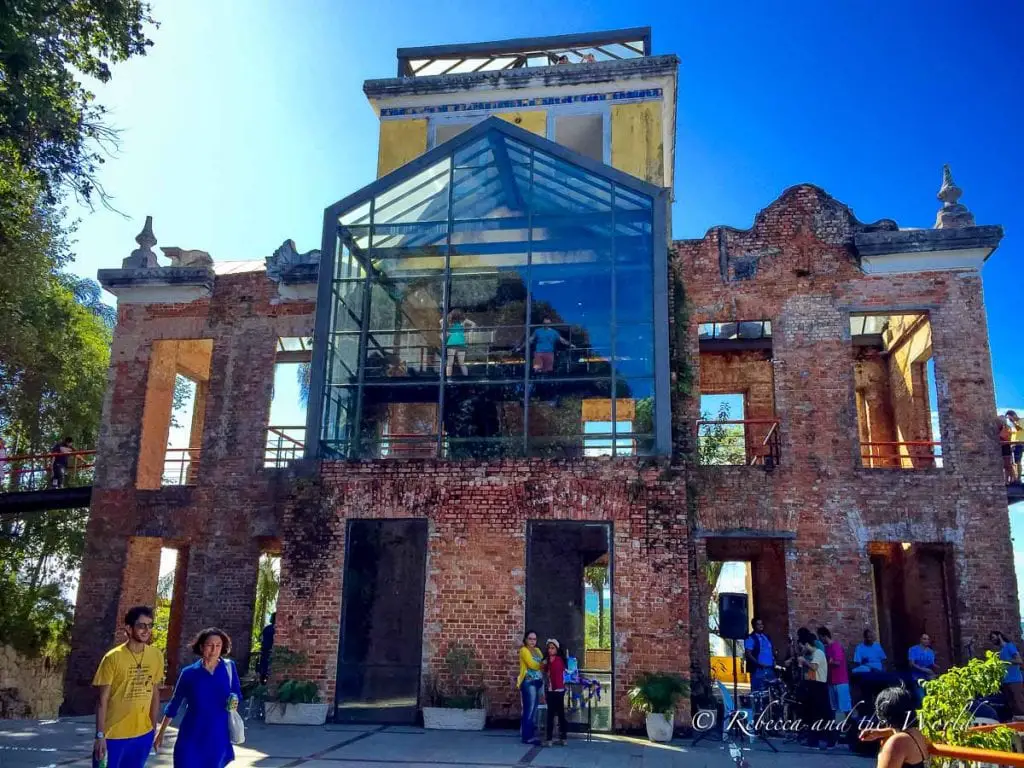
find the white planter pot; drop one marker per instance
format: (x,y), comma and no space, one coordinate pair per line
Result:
(659,726)
(275,713)
(442,719)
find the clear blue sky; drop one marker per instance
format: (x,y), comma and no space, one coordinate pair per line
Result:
(247,118)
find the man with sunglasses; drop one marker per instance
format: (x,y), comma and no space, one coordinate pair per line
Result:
(129,680)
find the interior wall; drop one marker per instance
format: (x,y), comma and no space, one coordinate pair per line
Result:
(910,347)
(747,372)
(874,406)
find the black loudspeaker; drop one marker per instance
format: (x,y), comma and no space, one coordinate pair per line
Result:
(732,616)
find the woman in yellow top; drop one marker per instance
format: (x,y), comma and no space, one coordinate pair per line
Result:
(531,683)
(1017,444)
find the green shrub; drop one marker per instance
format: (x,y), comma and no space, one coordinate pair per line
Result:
(657,692)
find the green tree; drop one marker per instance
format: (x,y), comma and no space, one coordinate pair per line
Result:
(48,118)
(596,577)
(721,443)
(268,584)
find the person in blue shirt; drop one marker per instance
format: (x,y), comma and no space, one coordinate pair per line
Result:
(869,656)
(1013,681)
(544,341)
(760,656)
(922,665)
(211,690)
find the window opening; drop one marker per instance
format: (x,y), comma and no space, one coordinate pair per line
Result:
(895,387)
(581,133)
(286,430)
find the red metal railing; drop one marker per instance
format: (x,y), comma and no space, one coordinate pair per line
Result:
(901,454)
(34,472)
(720,442)
(967,755)
(284,444)
(180,466)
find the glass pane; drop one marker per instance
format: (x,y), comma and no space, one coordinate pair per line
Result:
(577,294)
(424,197)
(400,355)
(487,334)
(358,215)
(339,414)
(634,350)
(555,419)
(399,421)
(634,291)
(581,133)
(348,304)
(343,358)
(348,266)
(483,420)
(406,303)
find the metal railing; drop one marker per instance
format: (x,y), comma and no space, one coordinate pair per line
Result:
(973,756)
(35,472)
(181,465)
(283,445)
(901,454)
(739,442)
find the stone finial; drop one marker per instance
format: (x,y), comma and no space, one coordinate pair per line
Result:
(953,213)
(183,258)
(143,256)
(287,258)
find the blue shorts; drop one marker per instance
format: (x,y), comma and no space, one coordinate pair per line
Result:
(128,753)
(839,696)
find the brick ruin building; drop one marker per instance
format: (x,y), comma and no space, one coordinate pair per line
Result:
(456,481)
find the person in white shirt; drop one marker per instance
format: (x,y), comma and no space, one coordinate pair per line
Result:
(818,715)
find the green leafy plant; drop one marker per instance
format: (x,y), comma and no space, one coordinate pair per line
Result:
(460,685)
(297,692)
(657,692)
(945,715)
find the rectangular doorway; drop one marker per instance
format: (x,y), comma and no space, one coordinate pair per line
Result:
(569,597)
(382,621)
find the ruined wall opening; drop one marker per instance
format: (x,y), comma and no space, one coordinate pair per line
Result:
(728,576)
(264,614)
(169,607)
(379,664)
(895,391)
(737,425)
(174,411)
(913,589)
(567,565)
(286,427)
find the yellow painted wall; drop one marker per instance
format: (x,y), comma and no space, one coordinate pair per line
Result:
(534,121)
(638,146)
(400,142)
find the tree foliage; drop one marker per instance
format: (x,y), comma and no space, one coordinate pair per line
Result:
(268,584)
(48,118)
(721,443)
(55,345)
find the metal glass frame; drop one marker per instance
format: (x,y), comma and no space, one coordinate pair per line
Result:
(440,210)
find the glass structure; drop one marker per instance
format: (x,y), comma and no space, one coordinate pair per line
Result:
(499,296)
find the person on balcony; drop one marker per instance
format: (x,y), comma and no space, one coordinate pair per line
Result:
(458,325)
(59,470)
(544,341)
(1016,425)
(1006,448)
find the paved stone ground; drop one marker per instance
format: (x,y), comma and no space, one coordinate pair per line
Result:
(35,744)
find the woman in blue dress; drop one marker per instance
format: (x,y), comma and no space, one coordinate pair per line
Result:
(210,689)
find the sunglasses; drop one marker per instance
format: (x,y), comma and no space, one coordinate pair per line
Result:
(141,626)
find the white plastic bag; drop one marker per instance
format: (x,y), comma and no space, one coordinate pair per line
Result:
(236,726)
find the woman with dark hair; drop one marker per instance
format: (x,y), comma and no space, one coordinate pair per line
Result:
(905,746)
(211,690)
(530,684)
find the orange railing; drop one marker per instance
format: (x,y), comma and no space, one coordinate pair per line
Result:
(756,450)
(974,755)
(34,472)
(284,444)
(180,466)
(901,454)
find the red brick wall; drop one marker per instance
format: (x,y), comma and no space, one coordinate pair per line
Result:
(806,279)
(235,504)
(476,559)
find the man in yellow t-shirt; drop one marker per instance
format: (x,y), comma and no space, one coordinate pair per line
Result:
(128,679)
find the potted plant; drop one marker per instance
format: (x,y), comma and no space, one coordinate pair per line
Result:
(456,696)
(656,695)
(295,702)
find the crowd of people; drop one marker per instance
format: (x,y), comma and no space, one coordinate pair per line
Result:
(817,666)
(130,723)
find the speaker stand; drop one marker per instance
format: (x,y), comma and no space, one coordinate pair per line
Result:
(735,729)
